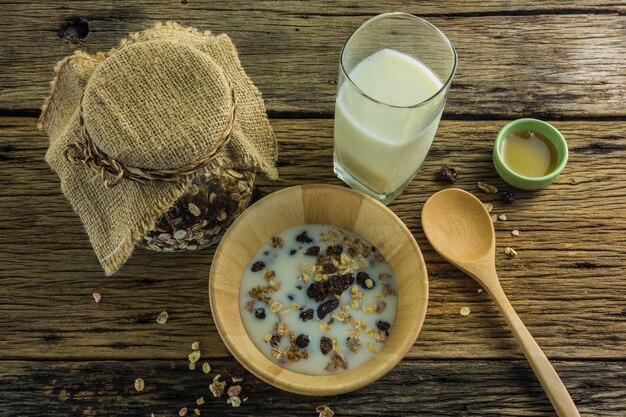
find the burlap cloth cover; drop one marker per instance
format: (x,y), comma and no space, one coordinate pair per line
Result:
(160,101)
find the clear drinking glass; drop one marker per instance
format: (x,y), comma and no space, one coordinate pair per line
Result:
(394,74)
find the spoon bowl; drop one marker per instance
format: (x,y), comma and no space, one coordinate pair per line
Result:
(459,228)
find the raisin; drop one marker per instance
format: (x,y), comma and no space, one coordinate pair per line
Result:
(317,291)
(383,325)
(326,307)
(306,315)
(312,251)
(329,268)
(347,279)
(302,341)
(292,252)
(257,266)
(361,277)
(303,238)
(447,174)
(335,250)
(326,345)
(508,197)
(275,340)
(260,313)
(335,286)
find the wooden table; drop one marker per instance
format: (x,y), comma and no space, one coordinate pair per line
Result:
(63,354)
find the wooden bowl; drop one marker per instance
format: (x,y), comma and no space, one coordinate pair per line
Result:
(327,204)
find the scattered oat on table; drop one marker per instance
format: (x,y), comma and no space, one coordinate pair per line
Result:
(510,251)
(465,311)
(480,291)
(194,356)
(324,411)
(515,232)
(502,217)
(182,412)
(488,207)
(489,189)
(234,401)
(206,368)
(196,411)
(217,386)
(139,384)
(162,317)
(195,345)
(97,297)
(234,391)
(200,401)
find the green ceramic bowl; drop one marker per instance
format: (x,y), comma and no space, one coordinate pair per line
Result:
(520,181)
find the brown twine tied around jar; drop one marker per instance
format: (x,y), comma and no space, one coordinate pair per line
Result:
(111,171)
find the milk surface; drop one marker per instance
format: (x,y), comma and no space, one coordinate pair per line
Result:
(379,145)
(287,268)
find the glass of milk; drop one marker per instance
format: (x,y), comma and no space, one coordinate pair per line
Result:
(394,74)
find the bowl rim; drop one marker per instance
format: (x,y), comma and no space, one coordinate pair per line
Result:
(549,131)
(342,382)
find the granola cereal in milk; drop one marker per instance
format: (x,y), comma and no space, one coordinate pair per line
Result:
(318,299)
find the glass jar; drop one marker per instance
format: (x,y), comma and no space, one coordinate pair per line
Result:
(201,216)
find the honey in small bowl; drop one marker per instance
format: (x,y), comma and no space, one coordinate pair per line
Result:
(529,153)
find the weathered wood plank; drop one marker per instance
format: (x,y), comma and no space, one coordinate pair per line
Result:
(510,65)
(424,388)
(364,7)
(567,282)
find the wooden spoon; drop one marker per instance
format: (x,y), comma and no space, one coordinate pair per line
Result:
(459,227)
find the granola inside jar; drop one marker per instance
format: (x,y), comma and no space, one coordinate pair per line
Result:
(201,216)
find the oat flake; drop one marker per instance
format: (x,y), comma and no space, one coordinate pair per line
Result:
(324,411)
(510,251)
(206,368)
(195,345)
(234,401)
(194,356)
(489,189)
(193,209)
(515,232)
(182,412)
(465,311)
(139,384)
(234,391)
(162,317)
(217,386)
(97,297)
(200,401)
(502,217)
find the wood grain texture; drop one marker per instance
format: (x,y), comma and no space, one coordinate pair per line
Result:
(539,62)
(460,229)
(567,283)
(424,388)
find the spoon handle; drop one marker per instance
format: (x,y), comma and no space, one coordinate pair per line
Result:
(547,376)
